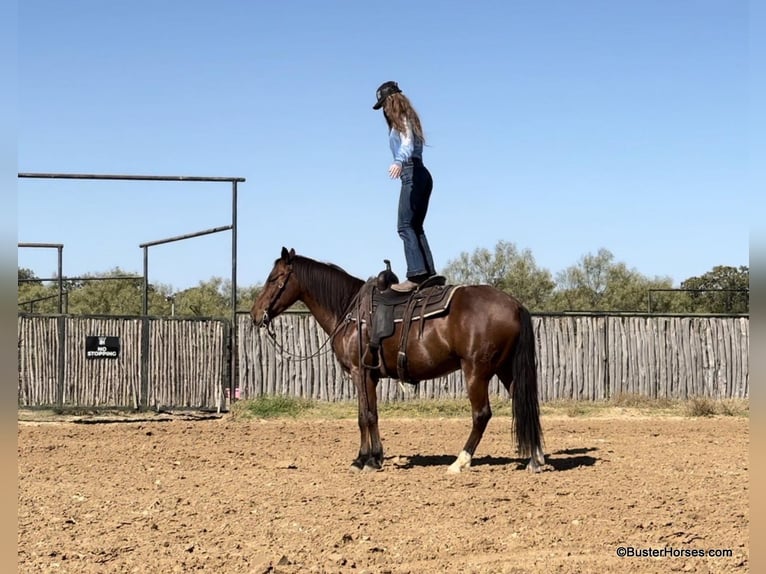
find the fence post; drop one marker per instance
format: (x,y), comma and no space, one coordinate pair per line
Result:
(143,403)
(61,324)
(229,375)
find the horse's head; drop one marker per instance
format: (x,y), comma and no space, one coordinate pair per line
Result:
(280,291)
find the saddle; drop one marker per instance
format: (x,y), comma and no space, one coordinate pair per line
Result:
(386,307)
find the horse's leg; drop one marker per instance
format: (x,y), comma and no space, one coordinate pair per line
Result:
(364,429)
(375,459)
(370,455)
(478,393)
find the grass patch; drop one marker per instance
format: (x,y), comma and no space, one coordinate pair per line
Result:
(287,407)
(278,406)
(440,408)
(284,407)
(271,407)
(734,408)
(636,401)
(700,407)
(570,408)
(705,407)
(619,406)
(577,410)
(416,408)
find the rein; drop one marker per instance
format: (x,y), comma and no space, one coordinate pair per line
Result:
(290,355)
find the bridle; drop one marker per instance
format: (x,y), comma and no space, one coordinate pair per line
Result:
(280,289)
(290,355)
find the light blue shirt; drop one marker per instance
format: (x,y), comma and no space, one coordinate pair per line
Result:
(405,146)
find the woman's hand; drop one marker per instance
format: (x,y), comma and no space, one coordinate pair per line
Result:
(394,171)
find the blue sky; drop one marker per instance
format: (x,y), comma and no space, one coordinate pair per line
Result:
(561,126)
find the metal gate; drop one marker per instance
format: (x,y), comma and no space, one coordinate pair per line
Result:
(123,362)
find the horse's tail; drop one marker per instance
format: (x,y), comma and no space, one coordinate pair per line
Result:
(526,409)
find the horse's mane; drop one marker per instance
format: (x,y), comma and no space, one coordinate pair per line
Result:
(330,284)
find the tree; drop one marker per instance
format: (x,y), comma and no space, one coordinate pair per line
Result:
(37,298)
(723,289)
(507,269)
(96,294)
(598,283)
(28,276)
(105,296)
(207,299)
(246,296)
(33,295)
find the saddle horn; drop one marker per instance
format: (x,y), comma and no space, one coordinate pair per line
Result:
(386,278)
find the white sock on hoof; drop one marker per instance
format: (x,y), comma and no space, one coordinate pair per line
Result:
(462,462)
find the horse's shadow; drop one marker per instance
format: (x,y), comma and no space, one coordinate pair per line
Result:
(571,458)
(559,460)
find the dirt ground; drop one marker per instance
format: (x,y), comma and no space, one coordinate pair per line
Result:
(277,496)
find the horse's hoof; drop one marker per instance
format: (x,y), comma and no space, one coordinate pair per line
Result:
(462,462)
(372,467)
(457,467)
(355,468)
(533,467)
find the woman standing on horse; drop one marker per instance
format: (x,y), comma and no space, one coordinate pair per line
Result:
(406,140)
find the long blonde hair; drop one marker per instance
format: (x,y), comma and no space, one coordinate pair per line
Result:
(397,108)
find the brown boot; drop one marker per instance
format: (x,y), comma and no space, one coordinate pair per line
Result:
(404,286)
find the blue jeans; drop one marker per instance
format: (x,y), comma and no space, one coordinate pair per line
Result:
(413,205)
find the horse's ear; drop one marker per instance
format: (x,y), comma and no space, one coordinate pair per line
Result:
(287,256)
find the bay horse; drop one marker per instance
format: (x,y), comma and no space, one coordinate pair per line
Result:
(485,332)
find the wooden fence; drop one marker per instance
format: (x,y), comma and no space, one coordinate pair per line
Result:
(180,363)
(185,363)
(188,363)
(581,357)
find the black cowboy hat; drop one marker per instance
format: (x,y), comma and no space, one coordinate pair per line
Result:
(386,89)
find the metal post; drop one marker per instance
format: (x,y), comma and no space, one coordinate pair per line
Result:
(60,250)
(233,338)
(143,401)
(145,297)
